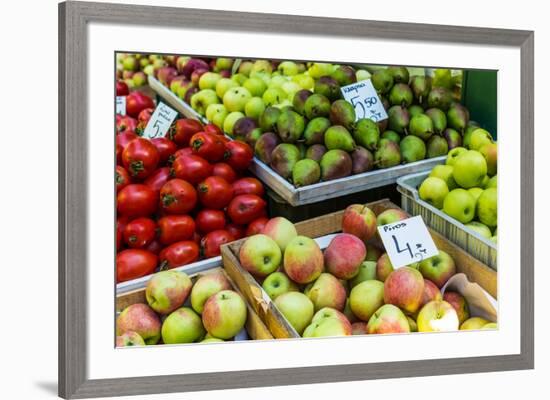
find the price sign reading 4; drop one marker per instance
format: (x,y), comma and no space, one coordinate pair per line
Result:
(407,241)
(160,121)
(120,105)
(365,100)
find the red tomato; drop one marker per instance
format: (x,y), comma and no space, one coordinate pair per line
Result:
(154,247)
(186,151)
(197,238)
(158,178)
(208,146)
(122,88)
(119,154)
(137,200)
(210,244)
(178,254)
(140,232)
(248,185)
(214,192)
(145,115)
(136,102)
(192,169)
(225,171)
(121,222)
(214,129)
(122,178)
(210,220)
(134,263)
(177,197)
(165,148)
(235,230)
(182,130)
(140,157)
(245,208)
(238,154)
(125,123)
(125,137)
(256,226)
(175,228)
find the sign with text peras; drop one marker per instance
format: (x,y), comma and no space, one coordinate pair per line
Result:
(160,121)
(363,97)
(407,241)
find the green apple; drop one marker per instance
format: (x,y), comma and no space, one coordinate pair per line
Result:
(470,169)
(490,325)
(297,308)
(211,340)
(437,316)
(318,70)
(290,89)
(325,327)
(388,319)
(245,67)
(230,120)
(390,216)
(460,205)
(149,70)
(130,63)
(433,190)
(255,86)
(260,255)
(367,271)
(166,291)
(475,192)
(235,99)
(202,99)
(473,323)
(479,138)
(278,283)
(182,326)
(305,81)
(273,96)
(384,267)
(480,228)
(288,68)
(224,314)
(223,85)
(206,286)
(240,78)
(487,207)
(492,183)
(262,66)
(281,230)
(366,298)
(277,81)
(444,172)
(209,80)
(453,154)
(438,268)
(254,108)
(223,63)
(214,109)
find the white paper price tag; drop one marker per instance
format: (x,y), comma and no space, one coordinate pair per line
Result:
(121,105)
(365,100)
(160,121)
(407,241)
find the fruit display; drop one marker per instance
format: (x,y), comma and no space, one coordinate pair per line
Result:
(465,187)
(351,287)
(181,196)
(178,310)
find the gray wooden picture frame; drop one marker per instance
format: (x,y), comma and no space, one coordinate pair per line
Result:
(73,195)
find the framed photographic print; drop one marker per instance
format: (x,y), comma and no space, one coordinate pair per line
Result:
(299,199)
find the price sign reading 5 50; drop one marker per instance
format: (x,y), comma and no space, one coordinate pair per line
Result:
(365,100)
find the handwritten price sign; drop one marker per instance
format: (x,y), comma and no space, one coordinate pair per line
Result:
(407,241)
(365,100)
(120,105)
(160,121)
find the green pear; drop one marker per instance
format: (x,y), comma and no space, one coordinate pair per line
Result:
(338,137)
(306,172)
(366,133)
(412,149)
(315,131)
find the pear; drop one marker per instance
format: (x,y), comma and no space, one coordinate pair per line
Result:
(415,109)
(315,130)
(440,97)
(366,133)
(439,119)
(283,159)
(388,154)
(382,80)
(458,117)
(268,119)
(421,86)
(437,146)
(391,135)
(306,172)
(290,126)
(316,152)
(344,75)
(421,126)
(399,74)
(242,126)
(398,119)
(335,164)
(253,136)
(328,87)
(317,105)
(412,149)
(338,137)
(453,138)
(264,146)
(342,113)
(299,100)
(443,78)
(401,95)
(362,160)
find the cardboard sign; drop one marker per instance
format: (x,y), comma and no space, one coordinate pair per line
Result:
(120,107)
(365,100)
(407,241)
(160,121)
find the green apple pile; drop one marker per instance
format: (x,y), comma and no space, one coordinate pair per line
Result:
(465,188)
(178,311)
(351,288)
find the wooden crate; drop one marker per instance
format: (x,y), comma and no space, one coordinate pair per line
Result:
(254,326)
(474,269)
